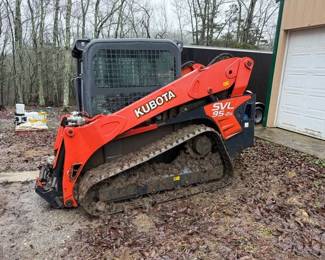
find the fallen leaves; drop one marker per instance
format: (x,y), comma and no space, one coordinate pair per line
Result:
(275,208)
(272,209)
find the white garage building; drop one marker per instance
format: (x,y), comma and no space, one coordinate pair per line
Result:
(297,96)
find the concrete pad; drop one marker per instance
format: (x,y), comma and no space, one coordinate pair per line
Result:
(9,177)
(299,142)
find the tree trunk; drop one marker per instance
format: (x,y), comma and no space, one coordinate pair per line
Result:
(208,16)
(34,44)
(214,11)
(2,67)
(67,58)
(55,53)
(133,20)
(178,10)
(239,21)
(84,11)
(202,14)
(119,25)
(11,79)
(40,51)
(196,23)
(249,21)
(96,18)
(191,19)
(99,24)
(18,48)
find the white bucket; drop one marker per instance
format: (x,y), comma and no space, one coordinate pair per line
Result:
(20,109)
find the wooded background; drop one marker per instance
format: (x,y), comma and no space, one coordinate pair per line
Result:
(36,67)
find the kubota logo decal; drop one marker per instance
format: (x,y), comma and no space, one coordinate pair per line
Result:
(153,104)
(222,109)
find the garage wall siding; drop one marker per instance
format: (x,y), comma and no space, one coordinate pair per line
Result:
(297,14)
(303,13)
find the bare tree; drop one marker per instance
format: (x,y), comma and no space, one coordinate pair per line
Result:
(33,60)
(266,11)
(161,31)
(18,50)
(11,78)
(4,37)
(204,24)
(41,100)
(191,11)
(67,58)
(212,27)
(248,21)
(132,16)
(84,11)
(101,20)
(55,55)
(146,19)
(239,20)
(36,35)
(119,23)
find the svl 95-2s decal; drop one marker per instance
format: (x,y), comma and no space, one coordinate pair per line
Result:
(222,109)
(223,114)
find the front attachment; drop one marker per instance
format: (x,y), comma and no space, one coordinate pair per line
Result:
(46,186)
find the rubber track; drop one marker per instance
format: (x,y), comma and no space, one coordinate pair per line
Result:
(107,170)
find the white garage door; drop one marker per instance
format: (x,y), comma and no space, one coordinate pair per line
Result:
(302,97)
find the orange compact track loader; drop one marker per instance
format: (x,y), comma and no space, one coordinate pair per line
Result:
(149,129)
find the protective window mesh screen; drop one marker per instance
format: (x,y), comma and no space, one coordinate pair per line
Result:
(133,68)
(119,68)
(110,103)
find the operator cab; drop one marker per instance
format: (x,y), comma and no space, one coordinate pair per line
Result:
(112,74)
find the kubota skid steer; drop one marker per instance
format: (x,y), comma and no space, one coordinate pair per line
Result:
(148,129)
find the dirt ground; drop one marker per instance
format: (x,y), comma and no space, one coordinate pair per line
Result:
(275,209)
(22,151)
